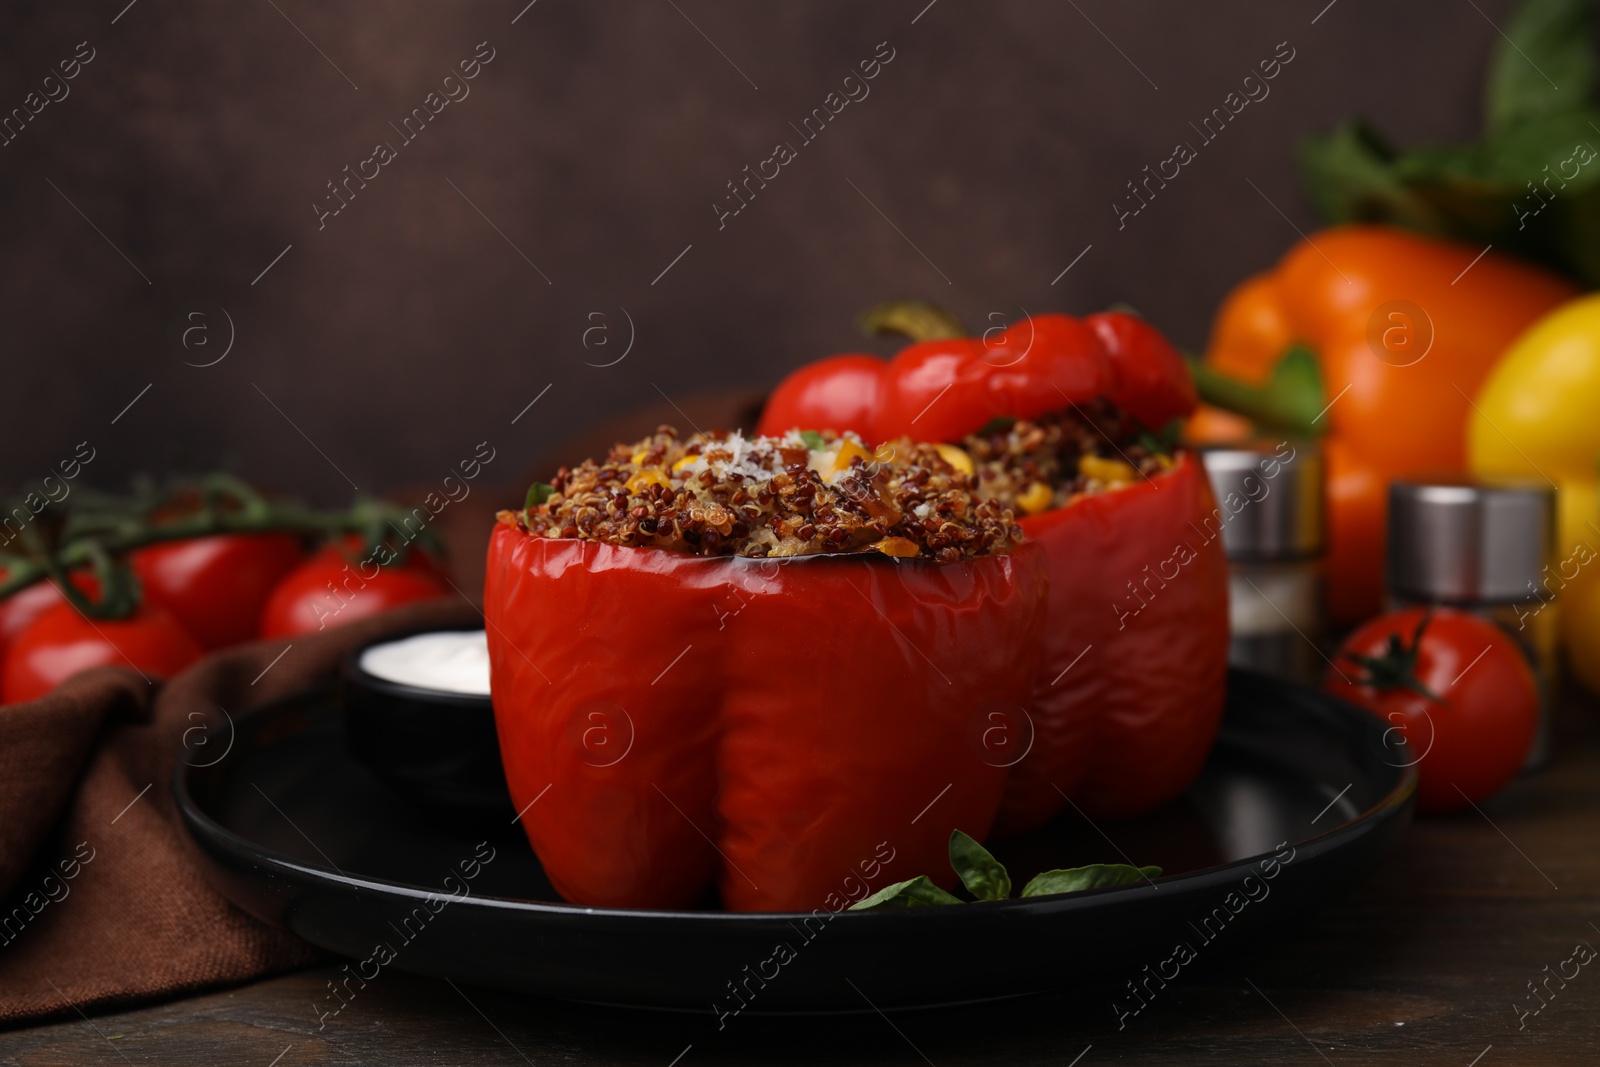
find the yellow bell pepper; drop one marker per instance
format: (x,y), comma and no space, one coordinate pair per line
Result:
(957,457)
(848,451)
(1538,417)
(900,547)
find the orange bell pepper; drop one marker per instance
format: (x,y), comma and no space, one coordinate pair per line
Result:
(1405,328)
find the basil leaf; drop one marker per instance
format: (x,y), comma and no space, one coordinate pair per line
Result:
(1544,64)
(538,493)
(918,892)
(813,440)
(1095,876)
(982,874)
(1154,445)
(998,424)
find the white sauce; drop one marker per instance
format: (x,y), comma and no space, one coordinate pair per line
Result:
(452,661)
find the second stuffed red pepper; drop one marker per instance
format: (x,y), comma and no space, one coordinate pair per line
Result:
(1061,419)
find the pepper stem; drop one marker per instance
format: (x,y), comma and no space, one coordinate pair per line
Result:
(1292,398)
(920,320)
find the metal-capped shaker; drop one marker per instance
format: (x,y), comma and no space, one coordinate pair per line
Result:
(1270,518)
(1482,547)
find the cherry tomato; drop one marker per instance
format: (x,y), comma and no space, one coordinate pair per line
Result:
(21,608)
(338,586)
(216,586)
(60,642)
(1456,687)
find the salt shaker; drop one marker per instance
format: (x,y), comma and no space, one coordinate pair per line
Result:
(1481,547)
(1269,513)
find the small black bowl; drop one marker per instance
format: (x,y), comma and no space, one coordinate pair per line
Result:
(435,748)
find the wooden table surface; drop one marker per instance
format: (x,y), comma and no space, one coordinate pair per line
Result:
(1426,964)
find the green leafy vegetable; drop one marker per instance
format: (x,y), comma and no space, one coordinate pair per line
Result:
(982,874)
(918,892)
(998,424)
(1094,876)
(1530,185)
(1350,176)
(538,493)
(813,440)
(1154,444)
(987,879)
(1546,64)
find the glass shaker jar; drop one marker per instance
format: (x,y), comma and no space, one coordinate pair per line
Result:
(1481,547)
(1269,514)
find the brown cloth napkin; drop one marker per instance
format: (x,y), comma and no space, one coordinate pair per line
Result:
(106,902)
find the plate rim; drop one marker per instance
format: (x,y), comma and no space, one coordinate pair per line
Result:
(206,831)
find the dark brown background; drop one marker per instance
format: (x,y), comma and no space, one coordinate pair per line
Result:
(408,330)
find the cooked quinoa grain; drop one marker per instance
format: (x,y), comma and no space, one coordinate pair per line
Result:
(1034,466)
(722,494)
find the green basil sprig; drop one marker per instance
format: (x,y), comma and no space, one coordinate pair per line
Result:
(983,875)
(915,892)
(1094,876)
(987,879)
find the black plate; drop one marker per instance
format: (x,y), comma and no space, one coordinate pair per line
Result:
(301,835)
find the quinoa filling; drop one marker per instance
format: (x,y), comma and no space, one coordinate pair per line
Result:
(810,493)
(804,493)
(1033,466)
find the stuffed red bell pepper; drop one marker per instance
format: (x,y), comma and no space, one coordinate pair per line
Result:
(755,664)
(1061,419)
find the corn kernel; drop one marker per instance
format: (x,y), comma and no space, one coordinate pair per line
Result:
(898,546)
(649,476)
(956,457)
(1112,472)
(684,462)
(639,456)
(1036,498)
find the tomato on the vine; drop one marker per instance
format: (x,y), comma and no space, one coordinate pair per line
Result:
(1456,686)
(61,642)
(25,605)
(340,584)
(216,586)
